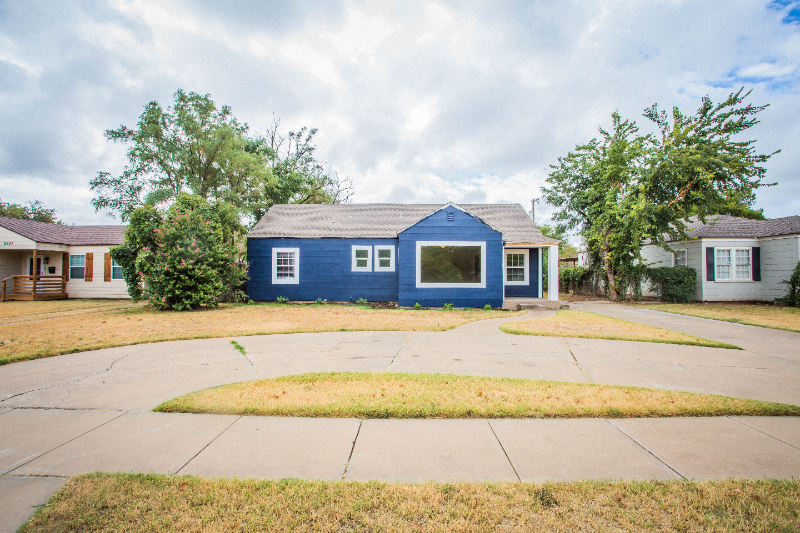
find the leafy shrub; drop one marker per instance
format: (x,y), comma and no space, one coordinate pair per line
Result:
(488,307)
(282,299)
(417,306)
(674,284)
(362,301)
(185,258)
(793,296)
(448,307)
(320,301)
(571,279)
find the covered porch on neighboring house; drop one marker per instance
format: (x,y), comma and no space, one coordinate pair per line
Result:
(38,273)
(523,277)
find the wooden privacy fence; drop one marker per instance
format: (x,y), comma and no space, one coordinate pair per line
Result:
(33,288)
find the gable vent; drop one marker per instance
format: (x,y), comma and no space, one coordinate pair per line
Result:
(450,216)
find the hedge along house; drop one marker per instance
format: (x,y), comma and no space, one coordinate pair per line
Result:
(41,261)
(735,258)
(469,255)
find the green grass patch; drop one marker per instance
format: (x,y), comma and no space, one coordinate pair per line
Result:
(398,395)
(588,325)
(137,502)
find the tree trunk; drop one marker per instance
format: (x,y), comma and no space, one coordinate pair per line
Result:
(610,274)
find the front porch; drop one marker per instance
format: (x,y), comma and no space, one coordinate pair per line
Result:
(42,275)
(33,288)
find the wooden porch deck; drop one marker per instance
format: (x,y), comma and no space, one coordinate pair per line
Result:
(33,288)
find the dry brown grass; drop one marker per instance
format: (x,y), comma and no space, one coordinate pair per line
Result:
(397,395)
(586,325)
(126,503)
(17,311)
(62,335)
(764,315)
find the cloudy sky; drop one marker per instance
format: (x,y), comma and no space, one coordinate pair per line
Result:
(465,101)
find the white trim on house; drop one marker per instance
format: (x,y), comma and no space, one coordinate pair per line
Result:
(354,260)
(525,253)
(378,259)
(481,285)
(734,263)
(294,266)
(541,274)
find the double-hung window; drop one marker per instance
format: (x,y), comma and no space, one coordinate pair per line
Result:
(516,267)
(116,270)
(733,264)
(77,266)
(679,258)
(384,258)
(286,265)
(361,258)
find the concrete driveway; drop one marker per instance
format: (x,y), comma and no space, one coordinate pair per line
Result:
(84,412)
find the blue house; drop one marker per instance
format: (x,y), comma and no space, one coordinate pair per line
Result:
(469,255)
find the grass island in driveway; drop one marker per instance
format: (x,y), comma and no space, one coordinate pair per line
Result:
(398,395)
(763,315)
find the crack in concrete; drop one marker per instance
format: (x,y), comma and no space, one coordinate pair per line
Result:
(398,351)
(243,352)
(504,451)
(352,449)
(206,446)
(643,447)
(576,360)
(764,433)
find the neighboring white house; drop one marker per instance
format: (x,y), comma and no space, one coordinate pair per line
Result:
(735,258)
(41,261)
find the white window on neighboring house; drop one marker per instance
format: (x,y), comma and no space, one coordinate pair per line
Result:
(77,266)
(116,270)
(733,264)
(384,258)
(680,258)
(286,265)
(743,270)
(361,258)
(516,267)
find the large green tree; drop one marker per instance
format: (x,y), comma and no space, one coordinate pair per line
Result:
(198,148)
(34,210)
(625,187)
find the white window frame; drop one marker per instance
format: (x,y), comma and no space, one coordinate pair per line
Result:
(526,267)
(353,250)
(76,266)
(116,265)
(685,258)
(733,278)
(481,285)
(379,247)
(294,280)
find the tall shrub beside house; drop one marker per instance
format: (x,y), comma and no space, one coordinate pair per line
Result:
(793,296)
(673,284)
(186,259)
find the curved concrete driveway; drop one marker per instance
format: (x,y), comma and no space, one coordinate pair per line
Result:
(84,412)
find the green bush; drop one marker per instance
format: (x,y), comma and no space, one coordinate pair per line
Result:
(488,307)
(320,301)
(282,299)
(448,307)
(571,279)
(417,306)
(793,296)
(674,284)
(362,301)
(182,259)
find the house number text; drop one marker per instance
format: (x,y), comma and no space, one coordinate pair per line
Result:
(8,243)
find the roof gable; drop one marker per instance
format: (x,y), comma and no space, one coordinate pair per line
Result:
(386,221)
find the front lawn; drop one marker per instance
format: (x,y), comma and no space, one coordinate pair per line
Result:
(397,395)
(764,315)
(136,502)
(120,327)
(587,325)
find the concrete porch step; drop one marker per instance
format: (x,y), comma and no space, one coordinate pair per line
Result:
(533,304)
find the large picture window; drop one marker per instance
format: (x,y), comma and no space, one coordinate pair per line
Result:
(451,264)
(516,267)
(286,265)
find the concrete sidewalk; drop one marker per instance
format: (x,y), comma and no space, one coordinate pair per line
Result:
(70,442)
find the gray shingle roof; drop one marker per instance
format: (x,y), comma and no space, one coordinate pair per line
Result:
(63,234)
(725,226)
(385,221)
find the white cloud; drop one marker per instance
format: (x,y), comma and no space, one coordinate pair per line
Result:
(766,70)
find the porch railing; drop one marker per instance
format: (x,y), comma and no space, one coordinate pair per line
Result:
(33,288)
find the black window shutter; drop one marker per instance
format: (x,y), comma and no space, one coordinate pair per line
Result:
(710,263)
(756,263)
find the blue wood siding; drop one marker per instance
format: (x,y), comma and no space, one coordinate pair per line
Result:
(463,227)
(325,271)
(531,290)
